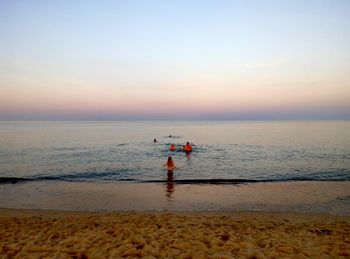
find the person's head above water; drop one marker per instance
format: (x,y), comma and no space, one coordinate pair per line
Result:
(154,140)
(170,136)
(170,161)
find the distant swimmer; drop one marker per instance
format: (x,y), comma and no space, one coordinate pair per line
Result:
(154,140)
(188,147)
(172,147)
(171,167)
(170,136)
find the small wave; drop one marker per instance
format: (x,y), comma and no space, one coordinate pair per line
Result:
(64,149)
(231,181)
(121,144)
(13,180)
(74,177)
(108,176)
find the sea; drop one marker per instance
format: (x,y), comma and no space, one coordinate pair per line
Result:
(297,166)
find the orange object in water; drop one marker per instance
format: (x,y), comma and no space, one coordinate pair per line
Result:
(188,147)
(172,147)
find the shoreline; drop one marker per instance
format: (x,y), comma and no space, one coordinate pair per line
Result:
(14,212)
(307,197)
(254,234)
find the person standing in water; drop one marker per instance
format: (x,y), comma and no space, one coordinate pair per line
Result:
(187,147)
(170,166)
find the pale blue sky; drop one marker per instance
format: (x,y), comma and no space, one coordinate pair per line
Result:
(129,59)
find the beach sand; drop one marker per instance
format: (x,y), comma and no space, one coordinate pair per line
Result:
(59,234)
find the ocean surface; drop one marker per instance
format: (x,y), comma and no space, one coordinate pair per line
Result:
(34,155)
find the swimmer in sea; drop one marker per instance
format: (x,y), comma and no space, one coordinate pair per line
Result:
(172,147)
(187,147)
(170,166)
(154,140)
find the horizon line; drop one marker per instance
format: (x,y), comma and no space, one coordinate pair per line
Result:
(176,120)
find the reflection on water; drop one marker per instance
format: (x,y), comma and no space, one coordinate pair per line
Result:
(170,189)
(170,184)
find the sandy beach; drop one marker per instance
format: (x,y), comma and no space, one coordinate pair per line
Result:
(59,234)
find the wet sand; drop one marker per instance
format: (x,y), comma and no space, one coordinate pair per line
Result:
(307,197)
(59,234)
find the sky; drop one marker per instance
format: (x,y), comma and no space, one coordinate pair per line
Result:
(174,60)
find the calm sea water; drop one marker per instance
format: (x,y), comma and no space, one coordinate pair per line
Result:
(280,166)
(223,151)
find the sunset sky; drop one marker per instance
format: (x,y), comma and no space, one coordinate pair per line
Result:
(167,60)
